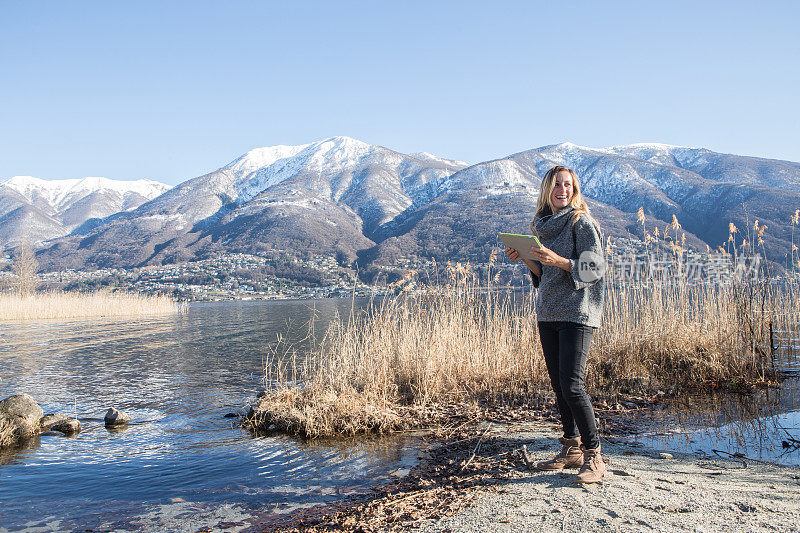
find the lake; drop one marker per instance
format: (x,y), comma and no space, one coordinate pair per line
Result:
(751,425)
(177,377)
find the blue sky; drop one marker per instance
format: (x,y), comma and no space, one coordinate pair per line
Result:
(171,90)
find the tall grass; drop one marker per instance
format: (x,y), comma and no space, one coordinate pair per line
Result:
(382,369)
(408,353)
(691,335)
(49,305)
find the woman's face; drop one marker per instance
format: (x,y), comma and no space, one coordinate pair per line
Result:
(562,190)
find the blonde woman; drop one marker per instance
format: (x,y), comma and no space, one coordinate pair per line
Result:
(568,272)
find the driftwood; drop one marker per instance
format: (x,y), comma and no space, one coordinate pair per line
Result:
(526,457)
(475,451)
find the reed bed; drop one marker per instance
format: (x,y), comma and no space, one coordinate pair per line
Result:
(374,368)
(60,305)
(388,367)
(674,334)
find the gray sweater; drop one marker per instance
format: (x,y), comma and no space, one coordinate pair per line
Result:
(576,296)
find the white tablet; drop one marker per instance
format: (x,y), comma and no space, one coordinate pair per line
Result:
(521,243)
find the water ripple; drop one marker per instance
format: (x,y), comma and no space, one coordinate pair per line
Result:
(176,376)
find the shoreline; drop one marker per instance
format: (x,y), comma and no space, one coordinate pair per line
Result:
(475,479)
(472,478)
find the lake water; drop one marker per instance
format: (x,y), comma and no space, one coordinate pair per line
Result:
(752,425)
(177,377)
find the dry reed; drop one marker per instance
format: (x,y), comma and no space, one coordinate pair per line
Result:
(50,305)
(378,370)
(691,335)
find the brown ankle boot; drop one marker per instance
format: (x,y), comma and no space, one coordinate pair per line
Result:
(570,456)
(593,466)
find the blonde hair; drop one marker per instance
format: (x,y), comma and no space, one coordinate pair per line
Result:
(544,205)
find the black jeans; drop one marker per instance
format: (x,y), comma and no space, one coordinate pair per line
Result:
(566,348)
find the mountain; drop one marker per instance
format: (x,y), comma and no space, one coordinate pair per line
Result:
(705,190)
(326,196)
(344,196)
(38,210)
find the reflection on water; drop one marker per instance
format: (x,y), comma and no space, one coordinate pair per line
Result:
(176,376)
(758,439)
(753,425)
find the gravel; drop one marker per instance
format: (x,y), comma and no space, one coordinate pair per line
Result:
(641,492)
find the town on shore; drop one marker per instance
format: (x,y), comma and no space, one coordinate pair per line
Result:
(280,275)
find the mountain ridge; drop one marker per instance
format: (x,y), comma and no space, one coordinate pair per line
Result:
(45,209)
(341,195)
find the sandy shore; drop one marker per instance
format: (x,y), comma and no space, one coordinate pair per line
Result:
(641,492)
(479,483)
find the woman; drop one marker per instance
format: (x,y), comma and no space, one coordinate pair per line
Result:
(568,271)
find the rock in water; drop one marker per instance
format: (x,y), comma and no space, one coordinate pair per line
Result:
(22,411)
(70,426)
(116,418)
(52,419)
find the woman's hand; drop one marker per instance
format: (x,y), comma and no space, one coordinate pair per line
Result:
(546,256)
(512,254)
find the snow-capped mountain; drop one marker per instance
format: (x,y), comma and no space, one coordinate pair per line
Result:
(37,210)
(327,195)
(341,194)
(705,190)
(59,195)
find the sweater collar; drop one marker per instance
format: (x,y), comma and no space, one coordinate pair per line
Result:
(549,226)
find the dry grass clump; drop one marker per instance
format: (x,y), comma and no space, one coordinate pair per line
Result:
(48,305)
(7,432)
(379,369)
(297,411)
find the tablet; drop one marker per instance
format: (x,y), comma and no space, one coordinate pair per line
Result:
(521,243)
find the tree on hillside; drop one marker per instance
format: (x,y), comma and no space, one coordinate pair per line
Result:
(24,268)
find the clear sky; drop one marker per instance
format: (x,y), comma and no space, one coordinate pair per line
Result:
(170,90)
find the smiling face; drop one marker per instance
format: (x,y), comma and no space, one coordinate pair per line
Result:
(562,192)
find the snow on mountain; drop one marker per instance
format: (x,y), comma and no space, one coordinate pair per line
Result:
(332,160)
(262,168)
(375,182)
(37,210)
(60,194)
(341,194)
(715,166)
(257,170)
(433,158)
(332,193)
(495,177)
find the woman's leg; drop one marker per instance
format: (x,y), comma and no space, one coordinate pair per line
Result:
(574,341)
(551,346)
